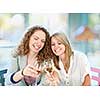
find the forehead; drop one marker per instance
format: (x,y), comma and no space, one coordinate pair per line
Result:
(54,39)
(40,34)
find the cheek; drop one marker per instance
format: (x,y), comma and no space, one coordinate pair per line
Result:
(42,45)
(63,49)
(30,43)
(53,49)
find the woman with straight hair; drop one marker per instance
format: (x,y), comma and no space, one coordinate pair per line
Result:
(73,66)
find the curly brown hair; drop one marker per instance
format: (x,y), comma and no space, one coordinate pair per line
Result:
(23,49)
(68,50)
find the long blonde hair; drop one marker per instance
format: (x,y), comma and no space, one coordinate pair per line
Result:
(68,50)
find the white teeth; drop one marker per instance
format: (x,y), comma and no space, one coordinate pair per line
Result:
(36,47)
(57,50)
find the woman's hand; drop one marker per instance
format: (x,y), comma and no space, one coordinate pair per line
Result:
(31,71)
(52,78)
(87,81)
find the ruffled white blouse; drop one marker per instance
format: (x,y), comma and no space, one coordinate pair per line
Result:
(79,68)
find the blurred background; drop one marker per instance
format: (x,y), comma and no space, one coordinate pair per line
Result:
(82,29)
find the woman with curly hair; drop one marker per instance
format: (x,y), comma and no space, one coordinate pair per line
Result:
(28,58)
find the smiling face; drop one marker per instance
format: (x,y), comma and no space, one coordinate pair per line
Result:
(37,41)
(57,47)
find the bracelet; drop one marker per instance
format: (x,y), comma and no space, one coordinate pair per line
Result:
(22,72)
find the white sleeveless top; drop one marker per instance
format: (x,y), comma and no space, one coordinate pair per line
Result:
(79,68)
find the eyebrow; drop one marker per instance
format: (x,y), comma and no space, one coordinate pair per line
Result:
(38,37)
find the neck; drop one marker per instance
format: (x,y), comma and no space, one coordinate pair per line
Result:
(62,57)
(32,55)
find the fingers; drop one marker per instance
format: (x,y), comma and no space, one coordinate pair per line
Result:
(49,76)
(35,66)
(31,71)
(52,82)
(52,78)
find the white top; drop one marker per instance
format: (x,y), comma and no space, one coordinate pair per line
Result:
(79,68)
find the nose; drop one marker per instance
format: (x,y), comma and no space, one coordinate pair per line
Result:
(39,43)
(56,46)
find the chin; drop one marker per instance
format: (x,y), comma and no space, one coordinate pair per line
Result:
(57,54)
(37,51)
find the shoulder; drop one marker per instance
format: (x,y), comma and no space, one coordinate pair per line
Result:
(79,54)
(19,58)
